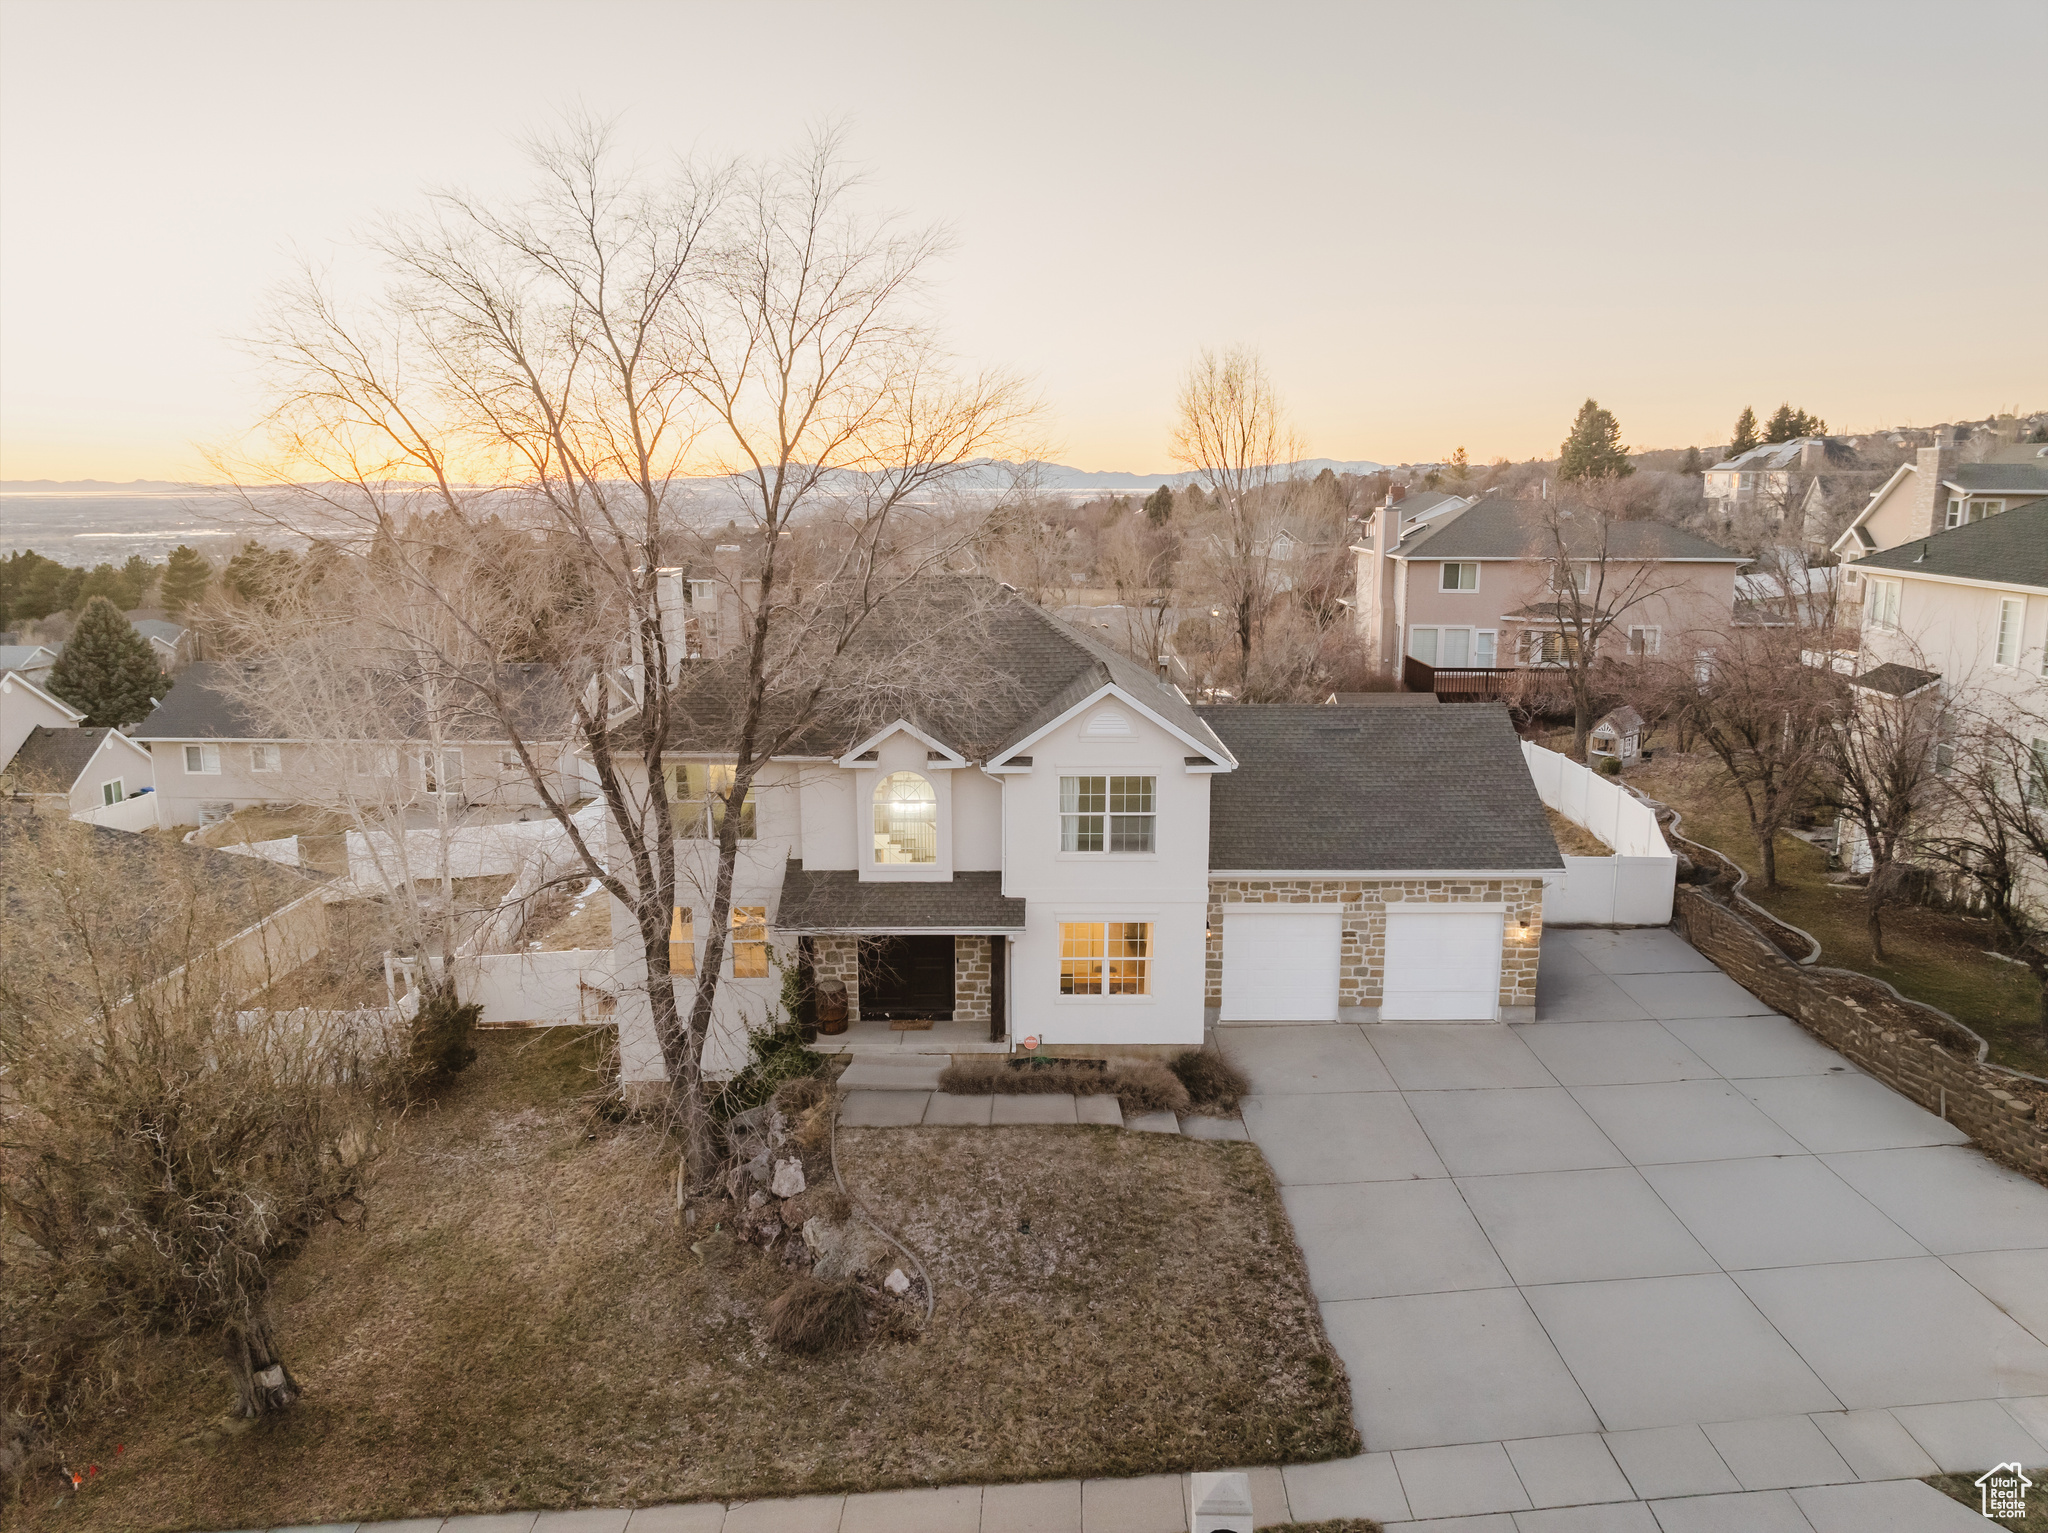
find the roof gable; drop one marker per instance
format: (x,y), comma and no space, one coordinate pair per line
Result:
(10,680)
(1497,528)
(2008,549)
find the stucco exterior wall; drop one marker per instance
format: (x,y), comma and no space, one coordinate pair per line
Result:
(1700,598)
(22,708)
(1164,887)
(320,773)
(1363,961)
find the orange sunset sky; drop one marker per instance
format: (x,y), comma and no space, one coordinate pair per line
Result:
(1442,224)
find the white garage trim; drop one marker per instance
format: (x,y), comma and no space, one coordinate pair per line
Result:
(1442,963)
(1280,965)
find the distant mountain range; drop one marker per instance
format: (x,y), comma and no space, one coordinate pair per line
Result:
(990,474)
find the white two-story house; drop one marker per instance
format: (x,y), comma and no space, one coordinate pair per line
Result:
(1044,863)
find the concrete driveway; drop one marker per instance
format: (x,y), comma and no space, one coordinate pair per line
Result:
(1658,1246)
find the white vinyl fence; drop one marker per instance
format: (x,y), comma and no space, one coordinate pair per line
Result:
(285,849)
(1633,887)
(543,988)
(132,814)
(474,851)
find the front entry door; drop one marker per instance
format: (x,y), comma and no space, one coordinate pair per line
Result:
(906,978)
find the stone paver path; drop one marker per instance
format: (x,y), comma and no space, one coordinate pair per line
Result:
(1658,1262)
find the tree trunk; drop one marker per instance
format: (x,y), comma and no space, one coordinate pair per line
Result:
(263,1385)
(1768,845)
(1873,915)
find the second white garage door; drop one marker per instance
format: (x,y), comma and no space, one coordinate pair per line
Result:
(1281,966)
(1442,966)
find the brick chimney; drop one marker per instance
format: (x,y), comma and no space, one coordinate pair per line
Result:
(1931,466)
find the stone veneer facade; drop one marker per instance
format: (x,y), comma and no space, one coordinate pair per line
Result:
(837,956)
(1363,958)
(973,976)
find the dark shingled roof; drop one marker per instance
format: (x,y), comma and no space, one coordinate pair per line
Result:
(1374,789)
(1497,528)
(2017,478)
(2010,549)
(49,760)
(974,664)
(1382,700)
(836,900)
(1895,680)
(200,706)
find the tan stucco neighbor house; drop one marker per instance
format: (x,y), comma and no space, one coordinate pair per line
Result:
(1471,585)
(1937,492)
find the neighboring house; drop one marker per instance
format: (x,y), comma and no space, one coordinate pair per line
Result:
(1936,492)
(1790,490)
(26,707)
(31,660)
(1964,610)
(1081,857)
(1472,586)
(211,758)
(87,768)
(1785,590)
(171,644)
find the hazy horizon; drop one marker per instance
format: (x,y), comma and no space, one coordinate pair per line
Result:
(1442,229)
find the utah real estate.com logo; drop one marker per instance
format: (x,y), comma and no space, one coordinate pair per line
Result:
(2005,1492)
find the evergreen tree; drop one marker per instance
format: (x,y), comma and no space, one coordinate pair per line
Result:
(103,581)
(1461,466)
(1745,432)
(185,579)
(1694,463)
(1593,450)
(1159,505)
(260,575)
(1788,425)
(107,670)
(137,576)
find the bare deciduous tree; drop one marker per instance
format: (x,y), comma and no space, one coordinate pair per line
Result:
(1231,432)
(1592,588)
(164,1150)
(623,366)
(1880,752)
(1765,713)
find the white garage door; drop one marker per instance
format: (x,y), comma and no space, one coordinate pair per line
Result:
(1442,966)
(1281,966)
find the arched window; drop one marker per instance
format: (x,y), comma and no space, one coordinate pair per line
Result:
(906,819)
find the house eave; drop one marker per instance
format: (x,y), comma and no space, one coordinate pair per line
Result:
(1381,874)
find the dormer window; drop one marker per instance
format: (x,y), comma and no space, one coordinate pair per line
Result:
(906,820)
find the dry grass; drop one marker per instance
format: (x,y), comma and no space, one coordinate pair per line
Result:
(568,917)
(1141,1085)
(525,1322)
(1963,1488)
(1213,1083)
(1573,839)
(1934,956)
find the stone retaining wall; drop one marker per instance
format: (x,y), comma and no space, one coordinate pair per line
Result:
(1362,962)
(2005,1123)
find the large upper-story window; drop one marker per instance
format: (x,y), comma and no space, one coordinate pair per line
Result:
(906,820)
(1880,603)
(1107,814)
(1459,577)
(697,792)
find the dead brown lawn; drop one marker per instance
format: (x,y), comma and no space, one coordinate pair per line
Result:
(526,1323)
(1573,839)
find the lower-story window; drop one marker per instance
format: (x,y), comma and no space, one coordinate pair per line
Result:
(750,942)
(112,792)
(682,943)
(1105,957)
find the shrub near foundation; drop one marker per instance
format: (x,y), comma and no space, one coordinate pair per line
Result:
(1142,1085)
(1214,1084)
(814,1319)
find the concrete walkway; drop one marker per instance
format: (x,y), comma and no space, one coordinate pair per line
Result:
(1657,1260)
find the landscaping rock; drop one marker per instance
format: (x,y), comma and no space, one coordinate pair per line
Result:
(789,1178)
(896,1282)
(756,1198)
(758,1169)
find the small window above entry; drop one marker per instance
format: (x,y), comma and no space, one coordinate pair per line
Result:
(1460,577)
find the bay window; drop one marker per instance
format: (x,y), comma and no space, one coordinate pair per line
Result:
(1105,957)
(1107,814)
